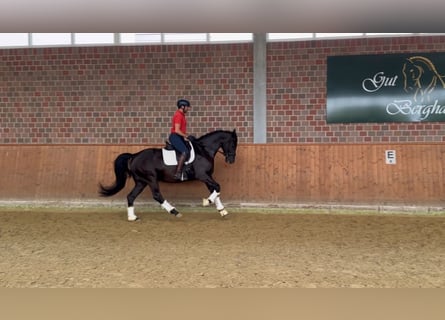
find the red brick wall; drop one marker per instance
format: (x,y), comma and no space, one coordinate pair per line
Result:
(126,95)
(297,93)
(122,95)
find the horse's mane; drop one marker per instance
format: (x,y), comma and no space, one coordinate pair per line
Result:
(198,142)
(212,133)
(426,64)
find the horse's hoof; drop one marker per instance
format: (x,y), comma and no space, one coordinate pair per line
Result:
(132,219)
(176,213)
(205,202)
(224,213)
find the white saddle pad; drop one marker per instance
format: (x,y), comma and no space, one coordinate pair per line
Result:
(170,156)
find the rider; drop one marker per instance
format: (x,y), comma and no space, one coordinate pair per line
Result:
(178,135)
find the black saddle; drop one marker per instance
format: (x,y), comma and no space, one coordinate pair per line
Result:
(169,146)
(188,168)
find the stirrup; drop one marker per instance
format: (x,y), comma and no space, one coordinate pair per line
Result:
(182,176)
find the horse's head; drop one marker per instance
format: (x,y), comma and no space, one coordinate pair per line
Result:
(412,74)
(421,77)
(229,146)
(212,142)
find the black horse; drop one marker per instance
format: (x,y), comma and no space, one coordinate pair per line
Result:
(147,167)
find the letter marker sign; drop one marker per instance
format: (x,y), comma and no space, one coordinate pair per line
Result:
(390,156)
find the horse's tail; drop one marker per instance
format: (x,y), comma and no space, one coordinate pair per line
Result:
(121,171)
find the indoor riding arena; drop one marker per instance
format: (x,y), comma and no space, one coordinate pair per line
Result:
(337,182)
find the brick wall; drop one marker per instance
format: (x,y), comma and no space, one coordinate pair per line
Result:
(126,95)
(122,95)
(297,93)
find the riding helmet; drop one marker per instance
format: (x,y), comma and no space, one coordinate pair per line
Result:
(183,103)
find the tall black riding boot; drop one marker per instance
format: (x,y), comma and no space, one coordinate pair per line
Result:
(181,161)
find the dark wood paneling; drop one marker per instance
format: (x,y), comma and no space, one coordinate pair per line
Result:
(262,173)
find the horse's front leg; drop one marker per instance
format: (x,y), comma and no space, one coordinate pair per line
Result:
(220,207)
(215,189)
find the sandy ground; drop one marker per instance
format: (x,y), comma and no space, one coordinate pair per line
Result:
(270,248)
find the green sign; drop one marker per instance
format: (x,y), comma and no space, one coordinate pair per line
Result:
(386,88)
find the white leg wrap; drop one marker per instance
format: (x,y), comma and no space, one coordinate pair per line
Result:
(167,206)
(218,203)
(220,207)
(213,196)
(130,214)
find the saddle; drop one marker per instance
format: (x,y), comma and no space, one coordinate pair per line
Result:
(170,155)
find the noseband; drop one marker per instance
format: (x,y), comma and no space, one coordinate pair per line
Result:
(226,155)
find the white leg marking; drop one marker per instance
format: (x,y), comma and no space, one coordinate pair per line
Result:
(130,214)
(220,207)
(218,203)
(167,206)
(213,196)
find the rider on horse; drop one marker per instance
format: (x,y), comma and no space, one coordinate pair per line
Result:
(178,134)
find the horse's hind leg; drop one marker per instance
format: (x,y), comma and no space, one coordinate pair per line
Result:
(154,186)
(138,188)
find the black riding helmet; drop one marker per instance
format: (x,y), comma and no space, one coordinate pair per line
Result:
(183,103)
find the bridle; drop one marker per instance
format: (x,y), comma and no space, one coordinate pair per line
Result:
(229,154)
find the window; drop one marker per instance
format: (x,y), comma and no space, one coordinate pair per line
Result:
(93,38)
(289,36)
(50,39)
(230,37)
(13,39)
(185,37)
(339,35)
(141,37)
